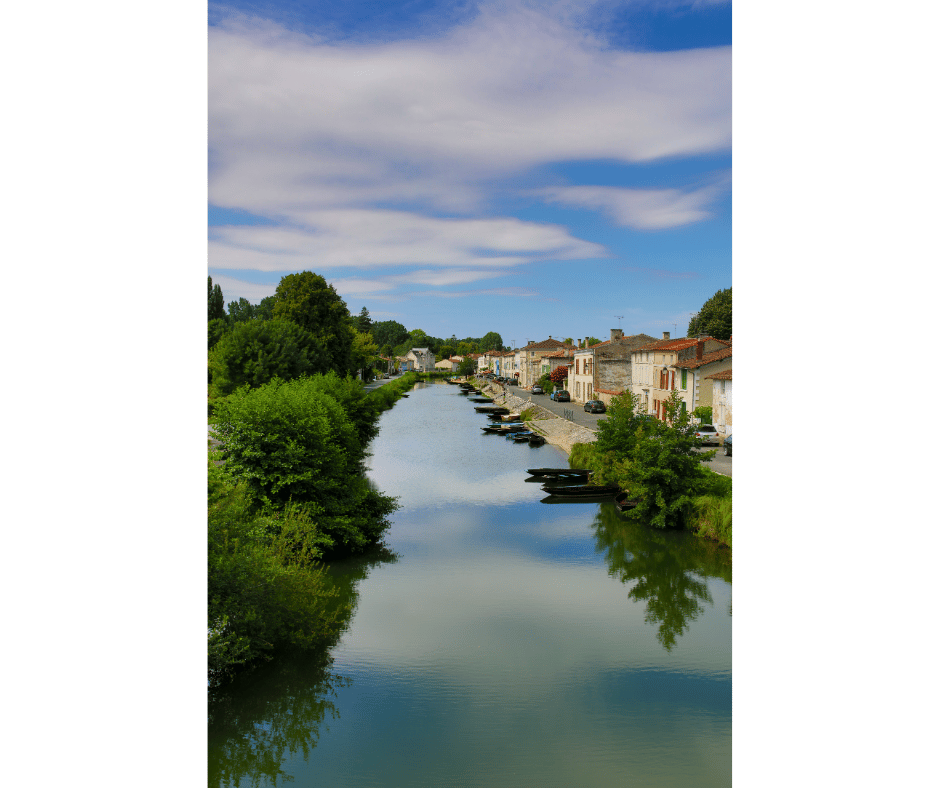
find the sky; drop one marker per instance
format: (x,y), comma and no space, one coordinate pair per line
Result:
(531,168)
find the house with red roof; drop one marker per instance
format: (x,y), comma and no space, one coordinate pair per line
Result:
(692,373)
(605,369)
(532,365)
(721,401)
(655,375)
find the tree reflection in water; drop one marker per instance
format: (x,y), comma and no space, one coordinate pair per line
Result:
(277,710)
(669,569)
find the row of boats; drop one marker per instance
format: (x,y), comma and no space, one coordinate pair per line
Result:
(563,485)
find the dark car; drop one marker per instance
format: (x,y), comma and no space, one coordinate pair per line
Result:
(728,446)
(512,382)
(595,406)
(537,390)
(562,396)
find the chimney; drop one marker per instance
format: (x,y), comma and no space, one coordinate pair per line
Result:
(615,333)
(698,349)
(665,335)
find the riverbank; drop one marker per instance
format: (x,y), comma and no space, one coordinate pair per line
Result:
(559,432)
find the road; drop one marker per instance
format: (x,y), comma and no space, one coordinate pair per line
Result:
(719,463)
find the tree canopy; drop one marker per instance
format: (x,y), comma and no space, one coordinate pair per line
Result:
(491,341)
(312,303)
(714,318)
(389,332)
(363,322)
(216,302)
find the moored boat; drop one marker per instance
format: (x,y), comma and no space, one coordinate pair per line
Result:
(582,490)
(558,471)
(624,502)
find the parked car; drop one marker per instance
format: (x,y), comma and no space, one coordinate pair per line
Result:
(512,382)
(707,434)
(595,406)
(728,446)
(561,396)
(537,390)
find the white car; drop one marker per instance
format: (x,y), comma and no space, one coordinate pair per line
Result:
(707,434)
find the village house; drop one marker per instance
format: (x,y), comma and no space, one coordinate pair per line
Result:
(605,369)
(532,366)
(422,359)
(449,364)
(721,401)
(691,383)
(654,375)
(560,358)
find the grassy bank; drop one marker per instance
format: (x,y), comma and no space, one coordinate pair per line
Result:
(708,512)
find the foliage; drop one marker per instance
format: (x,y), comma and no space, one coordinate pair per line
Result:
(389,332)
(292,442)
(467,367)
(618,432)
(265,308)
(703,413)
(216,302)
(545,382)
(364,352)
(491,341)
(665,467)
(217,328)
(256,351)
(264,593)
(446,351)
(528,414)
(591,341)
(363,322)
(240,310)
(354,400)
(559,375)
(313,304)
(714,318)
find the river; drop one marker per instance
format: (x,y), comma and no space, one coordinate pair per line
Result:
(500,641)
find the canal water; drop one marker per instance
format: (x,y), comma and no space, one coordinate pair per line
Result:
(499,641)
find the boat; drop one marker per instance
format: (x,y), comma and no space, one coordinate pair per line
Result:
(522,437)
(558,471)
(583,490)
(481,399)
(504,430)
(624,502)
(536,439)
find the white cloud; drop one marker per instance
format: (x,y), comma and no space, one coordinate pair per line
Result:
(641,209)
(296,124)
(365,239)
(233,289)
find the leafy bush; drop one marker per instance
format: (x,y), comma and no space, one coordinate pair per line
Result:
(293,442)
(264,593)
(256,351)
(559,375)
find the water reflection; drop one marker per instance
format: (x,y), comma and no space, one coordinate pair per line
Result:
(277,712)
(669,569)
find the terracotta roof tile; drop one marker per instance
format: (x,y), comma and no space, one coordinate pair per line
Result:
(545,344)
(707,358)
(725,375)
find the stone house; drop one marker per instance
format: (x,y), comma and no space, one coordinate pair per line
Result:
(604,370)
(532,366)
(449,364)
(654,375)
(560,358)
(721,401)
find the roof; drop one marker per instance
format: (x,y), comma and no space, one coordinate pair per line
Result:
(607,391)
(565,353)
(707,358)
(725,375)
(677,344)
(545,344)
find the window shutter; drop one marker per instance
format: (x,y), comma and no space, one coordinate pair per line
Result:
(683,380)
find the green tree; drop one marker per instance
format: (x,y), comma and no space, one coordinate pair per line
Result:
(216,302)
(217,328)
(591,341)
(256,351)
(617,432)
(714,318)
(240,310)
(492,341)
(389,332)
(291,442)
(363,322)
(265,308)
(665,467)
(313,304)
(446,351)
(364,352)
(467,367)
(465,348)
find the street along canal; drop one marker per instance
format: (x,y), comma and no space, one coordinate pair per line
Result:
(503,642)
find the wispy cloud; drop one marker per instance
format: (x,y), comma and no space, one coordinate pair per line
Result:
(642,209)
(366,239)
(236,288)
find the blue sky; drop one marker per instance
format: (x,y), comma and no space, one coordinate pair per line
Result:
(533,169)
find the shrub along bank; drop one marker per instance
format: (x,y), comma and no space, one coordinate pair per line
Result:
(659,464)
(290,492)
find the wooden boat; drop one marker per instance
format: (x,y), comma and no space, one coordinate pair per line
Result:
(623,501)
(481,399)
(558,471)
(583,490)
(505,430)
(536,440)
(522,437)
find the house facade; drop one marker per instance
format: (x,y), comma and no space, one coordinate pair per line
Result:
(422,359)
(531,362)
(692,374)
(654,373)
(721,401)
